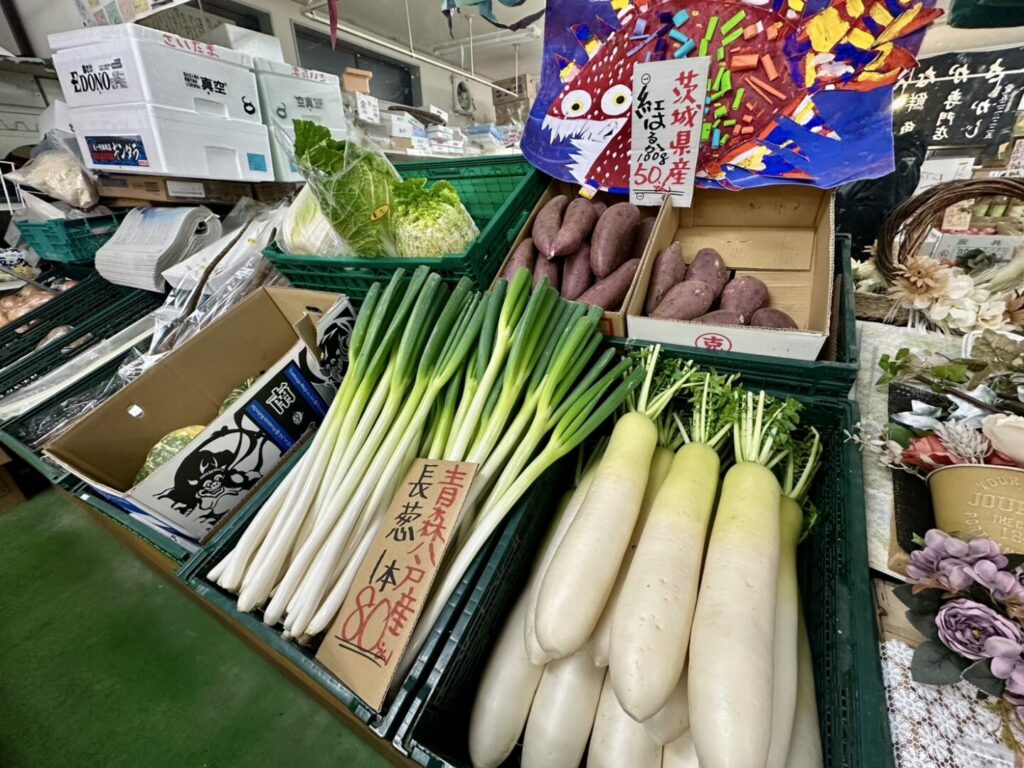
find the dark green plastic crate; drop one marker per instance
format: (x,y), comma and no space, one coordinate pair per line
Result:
(104,322)
(499,194)
(507,539)
(71,241)
(837,599)
(74,306)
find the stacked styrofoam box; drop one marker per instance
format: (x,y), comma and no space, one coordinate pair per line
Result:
(290,93)
(145,101)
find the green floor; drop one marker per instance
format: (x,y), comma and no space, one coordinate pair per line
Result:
(104,663)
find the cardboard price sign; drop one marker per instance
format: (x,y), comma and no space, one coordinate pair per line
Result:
(372,629)
(668,113)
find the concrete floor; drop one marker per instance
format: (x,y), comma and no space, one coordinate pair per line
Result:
(104,663)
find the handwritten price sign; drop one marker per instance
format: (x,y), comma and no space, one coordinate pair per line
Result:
(370,633)
(668,112)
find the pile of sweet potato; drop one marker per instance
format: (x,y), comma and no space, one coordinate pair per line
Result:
(589,251)
(702,292)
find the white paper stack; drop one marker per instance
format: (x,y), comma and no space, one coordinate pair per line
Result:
(150,240)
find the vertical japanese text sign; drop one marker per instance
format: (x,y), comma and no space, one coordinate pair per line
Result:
(370,633)
(668,112)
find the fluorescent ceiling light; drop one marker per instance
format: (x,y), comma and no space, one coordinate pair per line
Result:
(492,39)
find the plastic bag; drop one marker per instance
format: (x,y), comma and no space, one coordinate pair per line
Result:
(56,170)
(305,231)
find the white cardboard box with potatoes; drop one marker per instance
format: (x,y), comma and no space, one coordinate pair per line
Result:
(776,247)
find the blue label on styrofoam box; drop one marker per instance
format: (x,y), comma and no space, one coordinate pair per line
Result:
(257,162)
(118,150)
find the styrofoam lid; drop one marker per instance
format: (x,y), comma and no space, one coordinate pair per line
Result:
(290,70)
(77,38)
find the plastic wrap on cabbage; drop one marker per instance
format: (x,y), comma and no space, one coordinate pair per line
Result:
(305,231)
(353,185)
(430,221)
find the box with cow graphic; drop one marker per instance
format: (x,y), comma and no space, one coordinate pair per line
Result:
(252,384)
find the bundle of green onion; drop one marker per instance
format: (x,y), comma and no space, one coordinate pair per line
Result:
(510,379)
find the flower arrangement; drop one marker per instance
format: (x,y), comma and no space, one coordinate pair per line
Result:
(981,423)
(944,297)
(967,598)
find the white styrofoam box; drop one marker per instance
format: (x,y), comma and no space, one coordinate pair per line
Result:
(246,41)
(129,64)
(293,93)
(142,138)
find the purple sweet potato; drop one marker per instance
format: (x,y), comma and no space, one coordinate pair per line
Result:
(613,238)
(686,301)
(643,234)
(745,295)
(544,268)
(722,317)
(576,274)
(708,267)
(577,225)
(773,318)
(548,222)
(610,292)
(599,208)
(522,258)
(669,269)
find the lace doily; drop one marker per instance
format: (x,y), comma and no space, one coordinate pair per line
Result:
(938,727)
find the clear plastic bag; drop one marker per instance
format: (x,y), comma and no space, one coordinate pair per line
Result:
(56,170)
(305,231)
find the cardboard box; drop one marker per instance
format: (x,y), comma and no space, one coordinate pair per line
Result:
(525,86)
(356,80)
(953,246)
(512,112)
(163,189)
(276,191)
(206,480)
(611,323)
(784,235)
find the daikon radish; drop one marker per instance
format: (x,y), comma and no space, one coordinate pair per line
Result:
(673,719)
(618,740)
(805,744)
(651,625)
(562,713)
(505,694)
(602,640)
(800,468)
(580,577)
(537,654)
(733,636)
(680,753)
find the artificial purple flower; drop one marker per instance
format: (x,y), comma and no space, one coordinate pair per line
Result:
(965,626)
(1007,662)
(946,560)
(1004,586)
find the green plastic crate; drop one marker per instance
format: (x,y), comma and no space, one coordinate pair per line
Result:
(837,598)
(499,194)
(73,307)
(385,722)
(71,241)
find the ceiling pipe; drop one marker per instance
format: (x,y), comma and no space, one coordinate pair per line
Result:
(312,14)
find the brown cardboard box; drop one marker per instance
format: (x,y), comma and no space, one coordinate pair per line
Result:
(356,80)
(525,86)
(204,482)
(164,189)
(612,323)
(784,235)
(275,191)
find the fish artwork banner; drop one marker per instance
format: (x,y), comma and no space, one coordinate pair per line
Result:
(800,90)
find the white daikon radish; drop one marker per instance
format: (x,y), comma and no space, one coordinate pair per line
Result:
(505,694)
(673,719)
(580,577)
(680,753)
(537,654)
(651,625)
(618,740)
(562,714)
(733,636)
(600,645)
(805,743)
(800,469)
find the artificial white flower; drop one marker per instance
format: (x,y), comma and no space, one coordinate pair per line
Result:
(1006,433)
